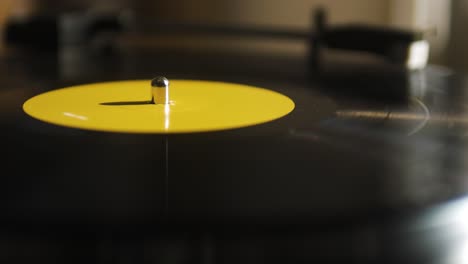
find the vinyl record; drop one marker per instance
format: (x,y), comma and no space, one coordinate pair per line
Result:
(327,171)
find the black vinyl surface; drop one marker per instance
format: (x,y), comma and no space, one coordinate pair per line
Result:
(347,177)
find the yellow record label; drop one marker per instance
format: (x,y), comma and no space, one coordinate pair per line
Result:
(125,106)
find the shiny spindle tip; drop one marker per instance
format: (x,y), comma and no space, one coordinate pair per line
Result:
(160,81)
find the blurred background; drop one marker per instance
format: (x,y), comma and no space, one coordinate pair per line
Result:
(441,21)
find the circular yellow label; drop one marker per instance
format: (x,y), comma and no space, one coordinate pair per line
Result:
(124,106)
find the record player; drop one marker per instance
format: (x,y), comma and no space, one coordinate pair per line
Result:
(294,159)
